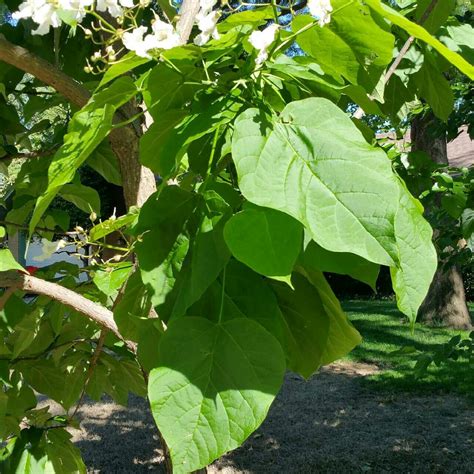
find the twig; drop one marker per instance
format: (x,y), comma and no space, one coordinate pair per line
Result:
(359,113)
(90,371)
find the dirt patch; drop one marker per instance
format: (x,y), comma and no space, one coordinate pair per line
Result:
(330,423)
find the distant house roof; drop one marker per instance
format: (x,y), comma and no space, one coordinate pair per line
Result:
(460,150)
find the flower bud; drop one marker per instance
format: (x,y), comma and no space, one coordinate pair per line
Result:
(87,69)
(88,33)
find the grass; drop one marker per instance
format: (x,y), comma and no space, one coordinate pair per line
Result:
(384,331)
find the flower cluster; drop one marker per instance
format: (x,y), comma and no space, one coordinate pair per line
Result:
(140,41)
(52,13)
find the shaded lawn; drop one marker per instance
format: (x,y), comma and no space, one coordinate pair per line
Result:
(384,330)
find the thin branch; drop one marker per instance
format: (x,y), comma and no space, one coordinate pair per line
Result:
(359,113)
(97,313)
(90,371)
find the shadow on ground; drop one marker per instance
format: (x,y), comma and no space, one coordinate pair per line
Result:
(328,424)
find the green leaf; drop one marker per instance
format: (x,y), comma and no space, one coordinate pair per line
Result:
(133,307)
(86,130)
(165,142)
(125,64)
(165,244)
(314,164)
(167,88)
(108,226)
(214,387)
(110,279)
(318,331)
(159,150)
(357,37)
(419,32)
(317,258)
(411,279)
(266,240)
(103,161)
(87,199)
(208,254)
(8,262)
(438,14)
(62,454)
(434,88)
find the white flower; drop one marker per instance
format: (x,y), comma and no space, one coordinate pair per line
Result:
(206,6)
(41,12)
(114,7)
(49,248)
(75,9)
(206,22)
(321,9)
(262,40)
(134,41)
(164,35)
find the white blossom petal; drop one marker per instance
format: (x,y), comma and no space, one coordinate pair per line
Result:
(321,10)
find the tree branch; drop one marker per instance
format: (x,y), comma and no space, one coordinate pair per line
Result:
(359,113)
(97,313)
(187,15)
(28,62)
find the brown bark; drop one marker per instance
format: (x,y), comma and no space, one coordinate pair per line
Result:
(445,304)
(94,311)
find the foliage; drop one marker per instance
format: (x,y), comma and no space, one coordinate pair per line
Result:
(216,283)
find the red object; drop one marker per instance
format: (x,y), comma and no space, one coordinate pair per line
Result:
(31,269)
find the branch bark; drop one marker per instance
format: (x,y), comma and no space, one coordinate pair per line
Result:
(187,15)
(97,313)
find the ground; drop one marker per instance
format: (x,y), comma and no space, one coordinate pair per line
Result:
(352,417)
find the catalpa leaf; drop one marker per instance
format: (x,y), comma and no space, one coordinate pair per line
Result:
(266,240)
(214,387)
(313,164)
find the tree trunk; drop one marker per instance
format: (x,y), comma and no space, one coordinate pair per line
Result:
(445,304)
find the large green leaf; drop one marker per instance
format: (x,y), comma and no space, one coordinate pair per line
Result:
(87,199)
(317,258)
(317,330)
(432,86)
(419,32)
(266,240)
(165,243)
(208,254)
(214,387)
(418,261)
(357,37)
(314,164)
(86,130)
